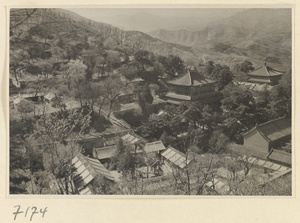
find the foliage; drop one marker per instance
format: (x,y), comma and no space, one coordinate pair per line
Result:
(129,72)
(238,103)
(111,89)
(74,69)
(172,64)
(34,70)
(126,160)
(218,142)
(144,96)
(58,161)
(17,61)
(57,127)
(281,96)
(242,69)
(86,92)
(100,185)
(233,129)
(209,67)
(41,31)
(25,107)
(222,75)
(142,59)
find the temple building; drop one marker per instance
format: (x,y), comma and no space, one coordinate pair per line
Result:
(271,140)
(192,86)
(265,75)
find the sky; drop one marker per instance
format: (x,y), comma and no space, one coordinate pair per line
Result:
(150,19)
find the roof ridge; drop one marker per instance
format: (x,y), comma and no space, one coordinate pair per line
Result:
(176,150)
(190,78)
(263,134)
(281,151)
(256,69)
(266,67)
(268,122)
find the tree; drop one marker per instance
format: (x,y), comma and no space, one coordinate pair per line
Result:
(25,107)
(246,66)
(238,102)
(39,183)
(87,93)
(103,96)
(17,62)
(218,142)
(203,175)
(16,20)
(144,96)
(112,89)
(126,160)
(46,67)
(41,31)
(199,170)
(59,163)
(34,70)
(100,185)
(52,132)
(222,75)
(172,64)
(209,67)
(74,68)
(281,96)
(129,72)
(233,129)
(142,59)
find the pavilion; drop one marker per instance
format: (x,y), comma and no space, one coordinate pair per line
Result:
(192,86)
(265,75)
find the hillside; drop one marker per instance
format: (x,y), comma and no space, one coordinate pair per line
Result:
(257,34)
(72,29)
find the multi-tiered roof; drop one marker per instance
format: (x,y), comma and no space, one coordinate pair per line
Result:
(265,74)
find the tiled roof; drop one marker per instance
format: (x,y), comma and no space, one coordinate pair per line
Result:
(131,138)
(126,90)
(258,80)
(154,147)
(129,106)
(104,152)
(274,129)
(87,169)
(85,191)
(191,78)
(266,71)
(173,102)
(176,157)
(178,96)
(280,156)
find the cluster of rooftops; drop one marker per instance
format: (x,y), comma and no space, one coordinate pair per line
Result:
(87,167)
(274,132)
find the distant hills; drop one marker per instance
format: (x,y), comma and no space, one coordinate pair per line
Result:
(154,18)
(257,34)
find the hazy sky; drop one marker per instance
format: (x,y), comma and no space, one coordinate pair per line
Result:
(149,19)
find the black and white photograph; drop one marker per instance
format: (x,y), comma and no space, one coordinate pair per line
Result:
(150,101)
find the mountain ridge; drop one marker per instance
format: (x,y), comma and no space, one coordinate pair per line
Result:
(260,34)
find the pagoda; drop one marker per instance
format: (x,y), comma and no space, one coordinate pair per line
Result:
(192,86)
(265,75)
